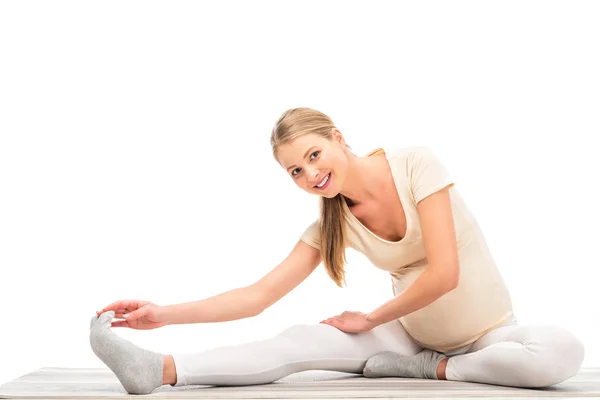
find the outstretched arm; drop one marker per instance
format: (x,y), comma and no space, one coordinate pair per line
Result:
(250,300)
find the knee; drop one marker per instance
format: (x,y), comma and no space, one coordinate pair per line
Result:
(568,352)
(560,359)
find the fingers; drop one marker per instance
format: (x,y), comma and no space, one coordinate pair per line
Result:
(125,310)
(122,306)
(120,324)
(133,315)
(118,314)
(112,306)
(125,314)
(118,311)
(116,306)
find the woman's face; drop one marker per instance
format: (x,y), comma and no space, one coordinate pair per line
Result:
(312,160)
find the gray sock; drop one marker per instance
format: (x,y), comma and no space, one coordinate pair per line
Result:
(140,371)
(423,365)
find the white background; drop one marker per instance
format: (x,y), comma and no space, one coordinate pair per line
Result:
(135,159)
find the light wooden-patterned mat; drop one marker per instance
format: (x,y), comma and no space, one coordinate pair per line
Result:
(100,383)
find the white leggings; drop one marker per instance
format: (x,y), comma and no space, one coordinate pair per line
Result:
(511,355)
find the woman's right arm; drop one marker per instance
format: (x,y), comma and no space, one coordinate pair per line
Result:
(250,300)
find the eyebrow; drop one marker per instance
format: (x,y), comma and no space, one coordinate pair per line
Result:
(305,154)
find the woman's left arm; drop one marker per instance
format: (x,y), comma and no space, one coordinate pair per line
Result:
(440,276)
(442,272)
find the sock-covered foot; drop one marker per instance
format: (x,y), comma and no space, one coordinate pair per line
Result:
(139,370)
(422,365)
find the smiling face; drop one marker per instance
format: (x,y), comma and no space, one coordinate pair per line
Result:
(312,160)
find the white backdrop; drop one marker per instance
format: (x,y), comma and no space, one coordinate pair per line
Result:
(135,158)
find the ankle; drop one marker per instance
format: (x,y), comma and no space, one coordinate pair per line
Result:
(441,368)
(169,371)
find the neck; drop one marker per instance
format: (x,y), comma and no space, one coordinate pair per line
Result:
(363,183)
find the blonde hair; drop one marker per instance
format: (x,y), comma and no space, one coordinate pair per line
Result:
(294,123)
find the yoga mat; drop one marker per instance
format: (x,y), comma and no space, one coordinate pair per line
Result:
(101,383)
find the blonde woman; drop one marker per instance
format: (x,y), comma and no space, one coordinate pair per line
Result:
(451,316)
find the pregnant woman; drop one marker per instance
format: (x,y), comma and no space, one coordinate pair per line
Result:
(451,315)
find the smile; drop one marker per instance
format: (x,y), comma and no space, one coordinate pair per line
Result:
(324,183)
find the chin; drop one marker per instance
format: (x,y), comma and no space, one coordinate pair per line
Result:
(329,195)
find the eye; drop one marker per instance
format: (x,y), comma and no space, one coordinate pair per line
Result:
(314,152)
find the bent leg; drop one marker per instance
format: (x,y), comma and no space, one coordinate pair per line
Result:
(297,348)
(519,356)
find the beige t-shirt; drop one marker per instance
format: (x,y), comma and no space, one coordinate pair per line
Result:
(480,303)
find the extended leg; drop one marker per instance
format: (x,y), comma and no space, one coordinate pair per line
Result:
(298,348)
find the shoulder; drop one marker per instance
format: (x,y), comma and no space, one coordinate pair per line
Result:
(311,234)
(404,153)
(411,157)
(404,159)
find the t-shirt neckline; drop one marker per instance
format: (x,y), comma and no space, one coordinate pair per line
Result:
(406,214)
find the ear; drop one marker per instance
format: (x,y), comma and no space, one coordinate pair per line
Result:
(337,136)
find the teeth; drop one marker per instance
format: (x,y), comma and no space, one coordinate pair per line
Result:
(324,181)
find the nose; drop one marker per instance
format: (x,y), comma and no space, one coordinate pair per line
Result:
(312,174)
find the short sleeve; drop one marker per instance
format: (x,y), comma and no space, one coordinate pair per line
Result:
(427,175)
(312,235)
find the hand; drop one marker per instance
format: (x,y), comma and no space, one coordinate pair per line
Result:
(137,314)
(350,321)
